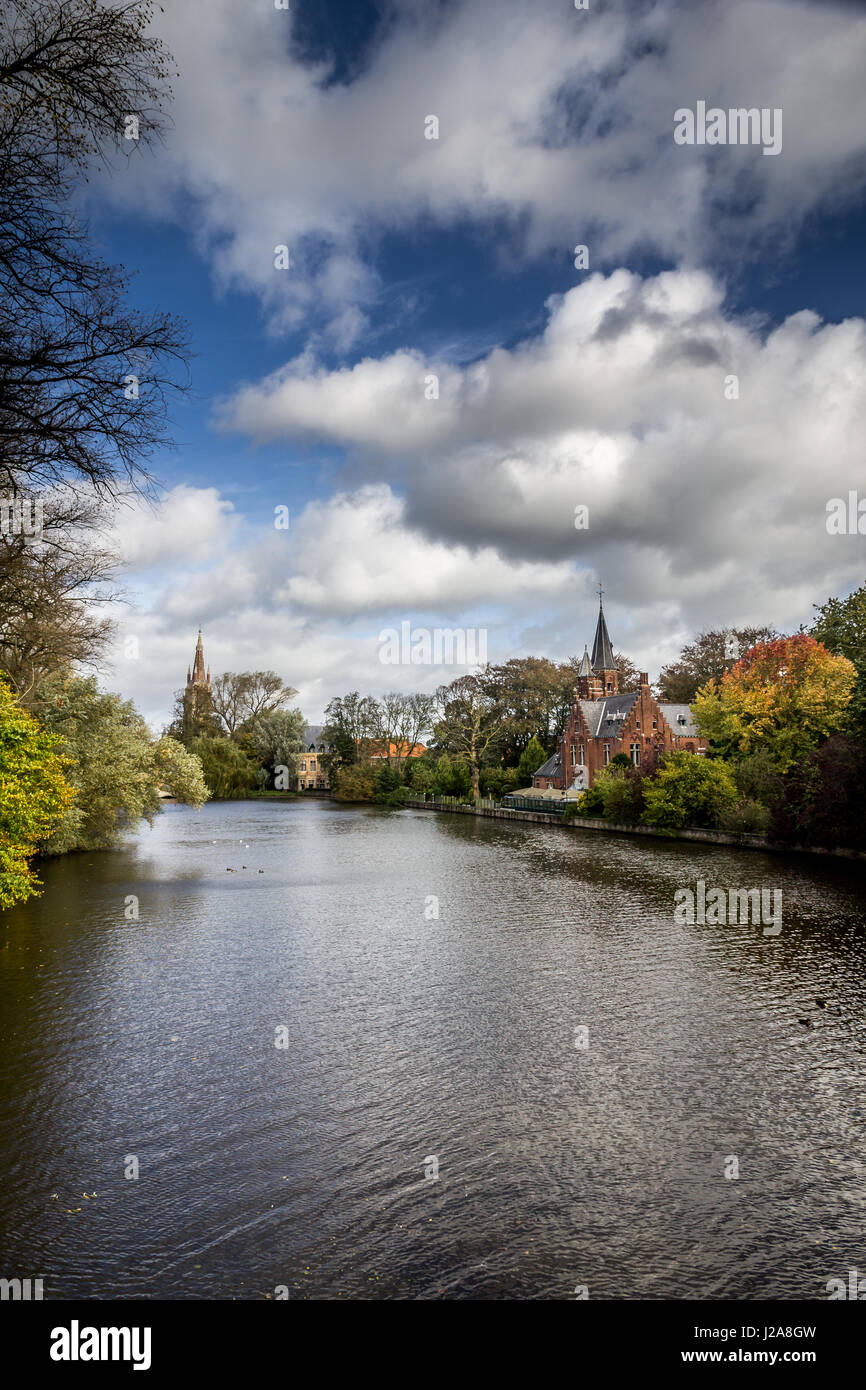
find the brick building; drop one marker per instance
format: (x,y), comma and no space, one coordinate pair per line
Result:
(603,723)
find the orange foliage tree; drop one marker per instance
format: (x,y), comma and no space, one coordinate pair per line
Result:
(787,695)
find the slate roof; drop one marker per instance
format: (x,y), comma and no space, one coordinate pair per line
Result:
(602,647)
(599,714)
(312,738)
(551,768)
(672,713)
(585,667)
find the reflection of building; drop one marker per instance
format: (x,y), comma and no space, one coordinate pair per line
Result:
(604,723)
(196,696)
(312,775)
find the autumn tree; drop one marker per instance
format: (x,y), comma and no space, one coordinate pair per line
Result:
(786,695)
(627,673)
(707,659)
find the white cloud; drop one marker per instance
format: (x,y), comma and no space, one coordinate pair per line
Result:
(621,404)
(189,525)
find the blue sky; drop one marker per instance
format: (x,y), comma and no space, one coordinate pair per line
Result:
(455,256)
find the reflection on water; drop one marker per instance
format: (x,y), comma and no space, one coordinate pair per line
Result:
(411,1036)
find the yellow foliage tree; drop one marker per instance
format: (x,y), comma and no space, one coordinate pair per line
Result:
(34,796)
(787,695)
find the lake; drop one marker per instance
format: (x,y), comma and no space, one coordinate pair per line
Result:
(433,1122)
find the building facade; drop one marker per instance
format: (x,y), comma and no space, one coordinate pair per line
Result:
(604,723)
(312,775)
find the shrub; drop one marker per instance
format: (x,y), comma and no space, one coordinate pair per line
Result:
(747,817)
(388,786)
(687,790)
(355,782)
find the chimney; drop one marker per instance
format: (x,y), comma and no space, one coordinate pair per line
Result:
(644,678)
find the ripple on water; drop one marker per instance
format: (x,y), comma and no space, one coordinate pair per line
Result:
(410,1038)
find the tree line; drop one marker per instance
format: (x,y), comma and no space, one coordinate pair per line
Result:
(86,380)
(241,731)
(784,716)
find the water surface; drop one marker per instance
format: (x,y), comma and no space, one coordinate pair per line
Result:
(412,1036)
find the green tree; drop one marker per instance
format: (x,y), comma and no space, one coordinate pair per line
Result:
(421,773)
(840,626)
(469,722)
(453,776)
(35,795)
(687,790)
(117,768)
(531,759)
(532,697)
(229,771)
(389,787)
(275,739)
(499,781)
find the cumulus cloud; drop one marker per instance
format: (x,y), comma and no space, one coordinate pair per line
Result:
(311,602)
(188,526)
(704,447)
(555,125)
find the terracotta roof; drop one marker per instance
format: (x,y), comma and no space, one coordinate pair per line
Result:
(397,750)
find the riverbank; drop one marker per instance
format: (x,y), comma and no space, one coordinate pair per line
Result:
(712,837)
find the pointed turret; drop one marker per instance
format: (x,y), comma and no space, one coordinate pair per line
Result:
(602,648)
(605,678)
(585,679)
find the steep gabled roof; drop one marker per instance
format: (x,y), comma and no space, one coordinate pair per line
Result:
(600,714)
(602,647)
(551,768)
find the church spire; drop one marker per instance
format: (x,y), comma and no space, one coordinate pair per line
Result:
(602,647)
(198,672)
